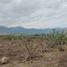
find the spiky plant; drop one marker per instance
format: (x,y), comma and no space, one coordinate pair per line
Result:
(57,38)
(29,48)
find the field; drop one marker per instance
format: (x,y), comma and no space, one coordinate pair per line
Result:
(45,50)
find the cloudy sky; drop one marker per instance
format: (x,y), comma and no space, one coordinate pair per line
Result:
(33,13)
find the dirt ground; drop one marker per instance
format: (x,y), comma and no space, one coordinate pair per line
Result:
(49,57)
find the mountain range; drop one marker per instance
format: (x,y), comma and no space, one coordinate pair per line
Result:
(20,30)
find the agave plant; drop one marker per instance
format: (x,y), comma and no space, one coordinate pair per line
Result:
(57,38)
(29,48)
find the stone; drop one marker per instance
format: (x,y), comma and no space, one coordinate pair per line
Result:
(4,60)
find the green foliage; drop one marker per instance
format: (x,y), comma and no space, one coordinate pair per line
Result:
(57,38)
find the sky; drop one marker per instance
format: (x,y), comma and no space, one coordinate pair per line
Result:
(33,13)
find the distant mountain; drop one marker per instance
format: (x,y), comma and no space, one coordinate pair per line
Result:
(21,30)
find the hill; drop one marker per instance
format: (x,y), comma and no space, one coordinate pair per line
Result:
(21,30)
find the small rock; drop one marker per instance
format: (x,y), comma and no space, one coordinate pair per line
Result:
(4,60)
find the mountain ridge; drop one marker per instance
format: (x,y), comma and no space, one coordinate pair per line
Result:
(22,30)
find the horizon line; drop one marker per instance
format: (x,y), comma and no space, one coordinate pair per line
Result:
(31,28)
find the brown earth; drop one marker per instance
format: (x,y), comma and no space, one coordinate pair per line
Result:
(43,56)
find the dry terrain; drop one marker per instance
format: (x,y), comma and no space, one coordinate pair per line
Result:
(43,54)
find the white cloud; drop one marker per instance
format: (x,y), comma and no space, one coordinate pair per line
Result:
(33,13)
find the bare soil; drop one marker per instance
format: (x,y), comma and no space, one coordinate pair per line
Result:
(43,56)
